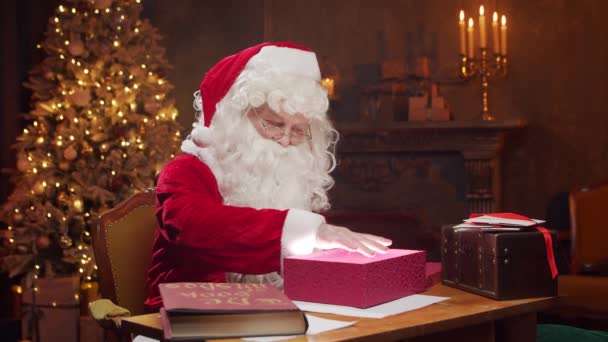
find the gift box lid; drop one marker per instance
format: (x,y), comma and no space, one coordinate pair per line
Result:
(342,256)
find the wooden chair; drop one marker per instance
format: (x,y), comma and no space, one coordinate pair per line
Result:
(122,243)
(584,292)
(589,222)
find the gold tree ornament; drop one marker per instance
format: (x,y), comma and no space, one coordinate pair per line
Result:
(43,242)
(65,241)
(70,153)
(22,164)
(81,98)
(102,120)
(76,48)
(38,188)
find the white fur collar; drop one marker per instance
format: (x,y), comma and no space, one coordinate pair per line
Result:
(204,155)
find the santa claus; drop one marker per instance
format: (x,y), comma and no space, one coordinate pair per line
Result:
(254,175)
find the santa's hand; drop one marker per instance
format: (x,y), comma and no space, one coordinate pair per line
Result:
(329,237)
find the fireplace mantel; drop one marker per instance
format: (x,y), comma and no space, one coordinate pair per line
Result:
(479,142)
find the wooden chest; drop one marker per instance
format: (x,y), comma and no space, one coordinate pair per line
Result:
(499,265)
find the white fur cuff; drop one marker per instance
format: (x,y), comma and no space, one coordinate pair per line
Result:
(300,232)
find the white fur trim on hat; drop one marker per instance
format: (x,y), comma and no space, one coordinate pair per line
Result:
(290,60)
(201,135)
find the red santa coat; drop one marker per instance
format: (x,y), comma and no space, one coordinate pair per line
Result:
(199,239)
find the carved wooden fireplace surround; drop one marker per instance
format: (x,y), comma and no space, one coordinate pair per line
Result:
(479,142)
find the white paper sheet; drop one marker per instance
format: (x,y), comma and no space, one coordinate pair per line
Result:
(379,311)
(316,325)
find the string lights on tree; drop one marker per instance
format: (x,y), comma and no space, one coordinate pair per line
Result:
(101,125)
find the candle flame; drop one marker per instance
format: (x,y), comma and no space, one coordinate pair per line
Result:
(495,17)
(461,15)
(503,21)
(481,11)
(471,22)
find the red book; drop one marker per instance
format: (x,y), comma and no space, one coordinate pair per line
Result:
(195,311)
(348,278)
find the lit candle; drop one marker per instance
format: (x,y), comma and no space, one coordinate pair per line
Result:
(463,40)
(328,84)
(495,41)
(471,41)
(482,28)
(503,35)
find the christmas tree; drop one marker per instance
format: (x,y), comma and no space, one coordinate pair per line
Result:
(101,126)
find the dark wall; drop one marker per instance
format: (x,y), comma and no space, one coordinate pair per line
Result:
(557,77)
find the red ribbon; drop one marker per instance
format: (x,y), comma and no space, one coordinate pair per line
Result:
(543,230)
(549,248)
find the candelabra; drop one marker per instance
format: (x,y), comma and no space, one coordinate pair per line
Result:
(485,68)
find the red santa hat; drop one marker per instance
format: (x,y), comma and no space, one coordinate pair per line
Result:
(286,57)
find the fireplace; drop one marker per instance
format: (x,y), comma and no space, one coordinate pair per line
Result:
(406,181)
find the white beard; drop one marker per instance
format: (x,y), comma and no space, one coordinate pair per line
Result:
(260,173)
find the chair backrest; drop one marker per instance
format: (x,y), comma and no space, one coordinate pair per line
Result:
(122,242)
(589,222)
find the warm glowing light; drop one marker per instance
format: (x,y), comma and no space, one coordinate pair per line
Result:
(40,140)
(481,10)
(461,15)
(56,19)
(116,43)
(471,22)
(503,21)
(35,170)
(86,71)
(67,42)
(61,8)
(495,17)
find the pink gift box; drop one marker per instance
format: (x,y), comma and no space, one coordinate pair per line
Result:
(433,273)
(348,278)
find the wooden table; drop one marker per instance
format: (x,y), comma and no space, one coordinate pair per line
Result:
(463,317)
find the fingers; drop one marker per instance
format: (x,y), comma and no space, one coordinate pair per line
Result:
(330,236)
(372,243)
(383,241)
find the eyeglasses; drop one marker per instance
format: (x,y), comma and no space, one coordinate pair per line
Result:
(297,135)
